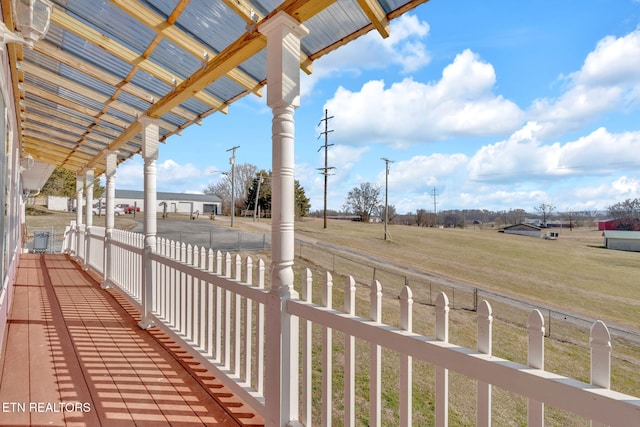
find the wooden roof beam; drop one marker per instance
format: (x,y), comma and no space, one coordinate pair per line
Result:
(376,15)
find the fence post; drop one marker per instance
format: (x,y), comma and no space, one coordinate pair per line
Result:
(375,377)
(349,355)
(327,352)
(485,320)
(535,329)
(307,351)
(406,363)
(442,374)
(600,342)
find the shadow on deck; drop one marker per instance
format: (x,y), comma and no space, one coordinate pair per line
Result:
(74,355)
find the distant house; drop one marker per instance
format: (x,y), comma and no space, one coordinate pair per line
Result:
(175,202)
(523,230)
(622,240)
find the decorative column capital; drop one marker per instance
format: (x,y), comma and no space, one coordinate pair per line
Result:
(283,59)
(146,120)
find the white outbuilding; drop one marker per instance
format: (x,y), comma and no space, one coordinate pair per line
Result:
(203,204)
(622,240)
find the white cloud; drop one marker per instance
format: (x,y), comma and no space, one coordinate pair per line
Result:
(422,173)
(609,80)
(524,156)
(404,48)
(462,103)
(170,176)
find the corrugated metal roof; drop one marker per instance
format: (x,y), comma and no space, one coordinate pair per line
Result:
(104,63)
(162,195)
(621,234)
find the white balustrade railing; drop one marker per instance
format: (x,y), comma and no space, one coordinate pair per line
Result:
(95,245)
(126,263)
(213,304)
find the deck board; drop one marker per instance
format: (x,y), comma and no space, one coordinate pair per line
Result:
(68,340)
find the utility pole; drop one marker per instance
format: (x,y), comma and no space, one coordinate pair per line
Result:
(387,236)
(326,168)
(435,212)
(255,205)
(232,161)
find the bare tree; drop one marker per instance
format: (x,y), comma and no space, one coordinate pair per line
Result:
(545,209)
(363,200)
(422,218)
(627,214)
(245,173)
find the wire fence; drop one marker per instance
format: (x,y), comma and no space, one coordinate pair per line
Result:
(218,238)
(558,325)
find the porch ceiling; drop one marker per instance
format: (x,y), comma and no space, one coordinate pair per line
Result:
(104,63)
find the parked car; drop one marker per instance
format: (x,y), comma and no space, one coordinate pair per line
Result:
(128,208)
(102,210)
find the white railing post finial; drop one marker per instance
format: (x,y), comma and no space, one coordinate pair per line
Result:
(600,341)
(349,355)
(442,374)
(535,329)
(406,362)
(375,352)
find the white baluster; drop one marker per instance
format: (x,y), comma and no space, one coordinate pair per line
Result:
(442,374)
(484,346)
(406,362)
(349,355)
(327,351)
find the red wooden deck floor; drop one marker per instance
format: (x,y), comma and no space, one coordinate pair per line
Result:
(75,356)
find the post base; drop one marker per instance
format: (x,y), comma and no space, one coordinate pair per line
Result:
(146,324)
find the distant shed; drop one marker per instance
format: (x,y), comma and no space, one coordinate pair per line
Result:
(523,230)
(175,202)
(622,240)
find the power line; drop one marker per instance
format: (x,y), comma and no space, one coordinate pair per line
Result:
(325,170)
(232,161)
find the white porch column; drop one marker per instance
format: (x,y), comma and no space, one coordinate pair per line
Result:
(111,159)
(150,135)
(283,89)
(79,195)
(88,180)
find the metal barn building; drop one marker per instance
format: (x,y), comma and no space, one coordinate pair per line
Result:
(175,202)
(622,240)
(523,229)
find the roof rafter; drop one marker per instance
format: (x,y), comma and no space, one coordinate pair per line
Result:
(51,51)
(376,15)
(166,29)
(83,31)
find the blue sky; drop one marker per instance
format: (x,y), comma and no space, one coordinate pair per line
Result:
(497,105)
